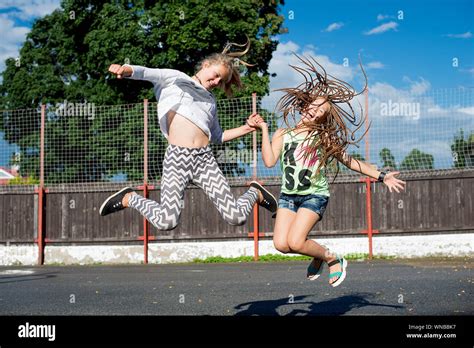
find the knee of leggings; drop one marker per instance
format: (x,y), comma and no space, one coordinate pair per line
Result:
(235,220)
(166,225)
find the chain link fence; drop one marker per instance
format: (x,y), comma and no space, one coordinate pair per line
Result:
(90,147)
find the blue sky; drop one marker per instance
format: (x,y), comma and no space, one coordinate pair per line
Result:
(410,50)
(418,53)
(422,44)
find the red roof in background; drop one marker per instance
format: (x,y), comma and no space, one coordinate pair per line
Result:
(6,175)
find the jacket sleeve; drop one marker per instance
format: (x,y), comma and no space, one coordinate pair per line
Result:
(217,134)
(154,75)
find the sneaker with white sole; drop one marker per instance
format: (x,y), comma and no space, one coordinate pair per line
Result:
(269,201)
(114,203)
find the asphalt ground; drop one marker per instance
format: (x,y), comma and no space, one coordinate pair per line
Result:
(377,287)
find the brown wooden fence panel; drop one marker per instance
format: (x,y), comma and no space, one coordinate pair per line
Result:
(429,205)
(74,217)
(17,217)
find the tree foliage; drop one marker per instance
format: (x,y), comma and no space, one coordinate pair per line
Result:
(417,160)
(463,150)
(387,159)
(66,56)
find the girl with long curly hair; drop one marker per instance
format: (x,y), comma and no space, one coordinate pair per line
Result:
(317,133)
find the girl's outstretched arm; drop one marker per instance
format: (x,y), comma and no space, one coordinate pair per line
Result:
(270,151)
(249,127)
(364,168)
(137,72)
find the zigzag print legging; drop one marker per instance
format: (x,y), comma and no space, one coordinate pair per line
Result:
(180,166)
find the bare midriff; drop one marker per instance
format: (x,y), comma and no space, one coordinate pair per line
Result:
(184,133)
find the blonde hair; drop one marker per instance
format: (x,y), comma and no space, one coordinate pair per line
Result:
(231,61)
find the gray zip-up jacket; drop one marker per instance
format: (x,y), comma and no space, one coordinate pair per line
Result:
(174,90)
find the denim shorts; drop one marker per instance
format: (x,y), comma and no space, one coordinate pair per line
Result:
(316,203)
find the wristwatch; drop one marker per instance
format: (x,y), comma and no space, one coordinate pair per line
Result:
(381,176)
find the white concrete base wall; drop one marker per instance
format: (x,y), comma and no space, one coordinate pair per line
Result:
(451,245)
(18,255)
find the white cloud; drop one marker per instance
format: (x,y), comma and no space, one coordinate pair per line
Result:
(334,26)
(466,35)
(468,110)
(288,77)
(375,65)
(418,87)
(382,89)
(381,17)
(436,109)
(440,150)
(10,43)
(383,28)
(16,34)
(427,122)
(417,103)
(451,110)
(386,102)
(29,9)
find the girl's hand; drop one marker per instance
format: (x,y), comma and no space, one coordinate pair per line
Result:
(255,121)
(120,70)
(393,183)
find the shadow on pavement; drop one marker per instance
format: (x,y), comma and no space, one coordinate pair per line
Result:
(25,277)
(336,306)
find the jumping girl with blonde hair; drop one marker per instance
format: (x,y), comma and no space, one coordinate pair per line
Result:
(304,151)
(188,119)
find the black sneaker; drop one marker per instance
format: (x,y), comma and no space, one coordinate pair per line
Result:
(114,202)
(269,201)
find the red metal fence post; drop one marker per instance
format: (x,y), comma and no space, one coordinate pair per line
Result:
(254,177)
(145,176)
(40,191)
(367,158)
(367,180)
(145,187)
(368,206)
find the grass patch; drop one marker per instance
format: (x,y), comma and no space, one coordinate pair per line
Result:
(263,258)
(278,257)
(364,256)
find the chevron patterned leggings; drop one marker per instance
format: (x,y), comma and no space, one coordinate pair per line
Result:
(183,165)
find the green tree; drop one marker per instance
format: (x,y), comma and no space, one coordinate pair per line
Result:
(463,150)
(387,159)
(470,155)
(66,55)
(417,160)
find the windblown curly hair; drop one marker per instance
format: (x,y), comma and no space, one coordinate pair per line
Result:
(332,134)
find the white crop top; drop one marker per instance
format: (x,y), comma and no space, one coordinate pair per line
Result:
(174,90)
